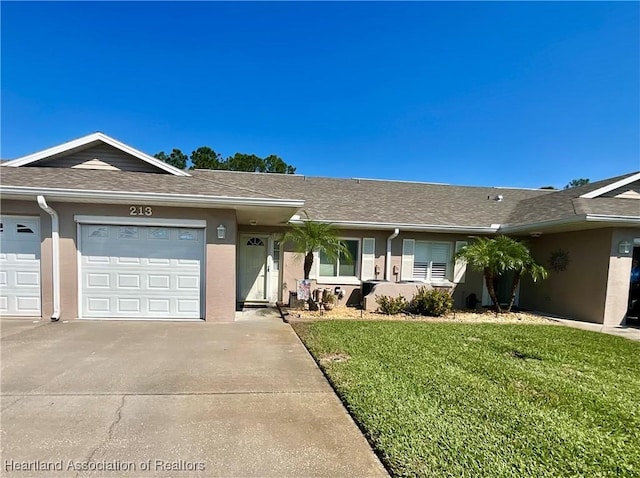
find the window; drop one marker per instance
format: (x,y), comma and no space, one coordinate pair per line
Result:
(276,256)
(426,261)
(342,266)
(23,229)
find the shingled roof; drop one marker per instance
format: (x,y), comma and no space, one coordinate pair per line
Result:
(101,180)
(350,201)
(567,204)
(388,202)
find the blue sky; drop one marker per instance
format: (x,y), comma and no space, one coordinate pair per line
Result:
(504,94)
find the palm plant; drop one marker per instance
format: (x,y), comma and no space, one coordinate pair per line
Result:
(312,236)
(495,256)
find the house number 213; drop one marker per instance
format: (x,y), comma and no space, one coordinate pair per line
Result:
(140,211)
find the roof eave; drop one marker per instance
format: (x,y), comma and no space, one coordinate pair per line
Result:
(407,227)
(572,220)
(149,198)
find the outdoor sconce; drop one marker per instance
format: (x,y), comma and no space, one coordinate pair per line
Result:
(222,231)
(624,248)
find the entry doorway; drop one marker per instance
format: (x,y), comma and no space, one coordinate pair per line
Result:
(502,284)
(633,309)
(253,268)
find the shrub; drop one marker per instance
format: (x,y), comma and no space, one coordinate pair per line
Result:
(433,302)
(391,305)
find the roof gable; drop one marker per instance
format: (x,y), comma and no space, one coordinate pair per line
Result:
(94,140)
(611,186)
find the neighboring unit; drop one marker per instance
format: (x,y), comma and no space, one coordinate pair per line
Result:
(95,229)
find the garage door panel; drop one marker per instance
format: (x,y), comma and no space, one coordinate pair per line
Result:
(20,266)
(161,306)
(159,281)
(147,273)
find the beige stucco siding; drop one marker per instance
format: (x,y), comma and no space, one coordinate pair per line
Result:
(580,291)
(618,281)
(219,296)
(293,264)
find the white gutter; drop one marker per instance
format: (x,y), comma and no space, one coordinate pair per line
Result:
(582,218)
(387,268)
(55,244)
(406,227)
(150,198)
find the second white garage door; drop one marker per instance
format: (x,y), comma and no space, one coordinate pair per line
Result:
(141,272)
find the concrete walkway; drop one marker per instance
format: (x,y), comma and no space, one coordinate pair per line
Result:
(171,399)
(631,333)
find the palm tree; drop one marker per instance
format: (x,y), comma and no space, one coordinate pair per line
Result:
(495,256)
(312,236)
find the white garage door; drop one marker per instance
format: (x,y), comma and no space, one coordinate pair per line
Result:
(20,266)
(141,272)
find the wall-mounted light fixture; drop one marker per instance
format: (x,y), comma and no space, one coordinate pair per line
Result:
(624,248)
(222,231)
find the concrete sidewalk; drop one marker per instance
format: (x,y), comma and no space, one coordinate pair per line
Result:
(181,399)
(631,333)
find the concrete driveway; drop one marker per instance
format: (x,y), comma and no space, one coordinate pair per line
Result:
(170,399)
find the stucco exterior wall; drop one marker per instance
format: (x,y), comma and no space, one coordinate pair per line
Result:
(220,272)
(618,281)
(293,265)
(580,291)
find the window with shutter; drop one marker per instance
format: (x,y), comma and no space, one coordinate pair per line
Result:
(431,261)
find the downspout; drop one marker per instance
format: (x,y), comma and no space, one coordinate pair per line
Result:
(55,243)
(387,268)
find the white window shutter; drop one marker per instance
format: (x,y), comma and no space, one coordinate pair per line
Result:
(408,248)
(314,273)
(440,261)
(460,267)
(368,258)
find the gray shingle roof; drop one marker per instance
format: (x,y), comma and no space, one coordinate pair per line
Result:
(124,181)
(568,203)
(349,200)
(392,202)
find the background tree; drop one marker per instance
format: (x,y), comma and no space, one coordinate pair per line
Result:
(547,187)
(177,158)
(275,164)
(574,183)
(206,158)
(494,257)
(312,236)
(244,162)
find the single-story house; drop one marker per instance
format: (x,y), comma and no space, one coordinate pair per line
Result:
(95,229)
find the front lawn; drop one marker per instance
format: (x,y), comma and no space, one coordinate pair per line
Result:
(487,400)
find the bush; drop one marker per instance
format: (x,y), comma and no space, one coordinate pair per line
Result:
(433,302)
(391,305)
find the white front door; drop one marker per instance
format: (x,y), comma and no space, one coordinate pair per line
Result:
(253,268)
(20,266)
(141,272)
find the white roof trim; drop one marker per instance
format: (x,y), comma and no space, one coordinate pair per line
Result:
(405,227)
(92,138)
(610,187)
(582,218)
(115,196)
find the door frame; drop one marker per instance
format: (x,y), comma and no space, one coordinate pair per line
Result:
(486,299)
(268,265)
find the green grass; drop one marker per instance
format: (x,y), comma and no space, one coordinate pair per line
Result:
(487,400)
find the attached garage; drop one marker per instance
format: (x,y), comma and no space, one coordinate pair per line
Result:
(135,271)
(20,266)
